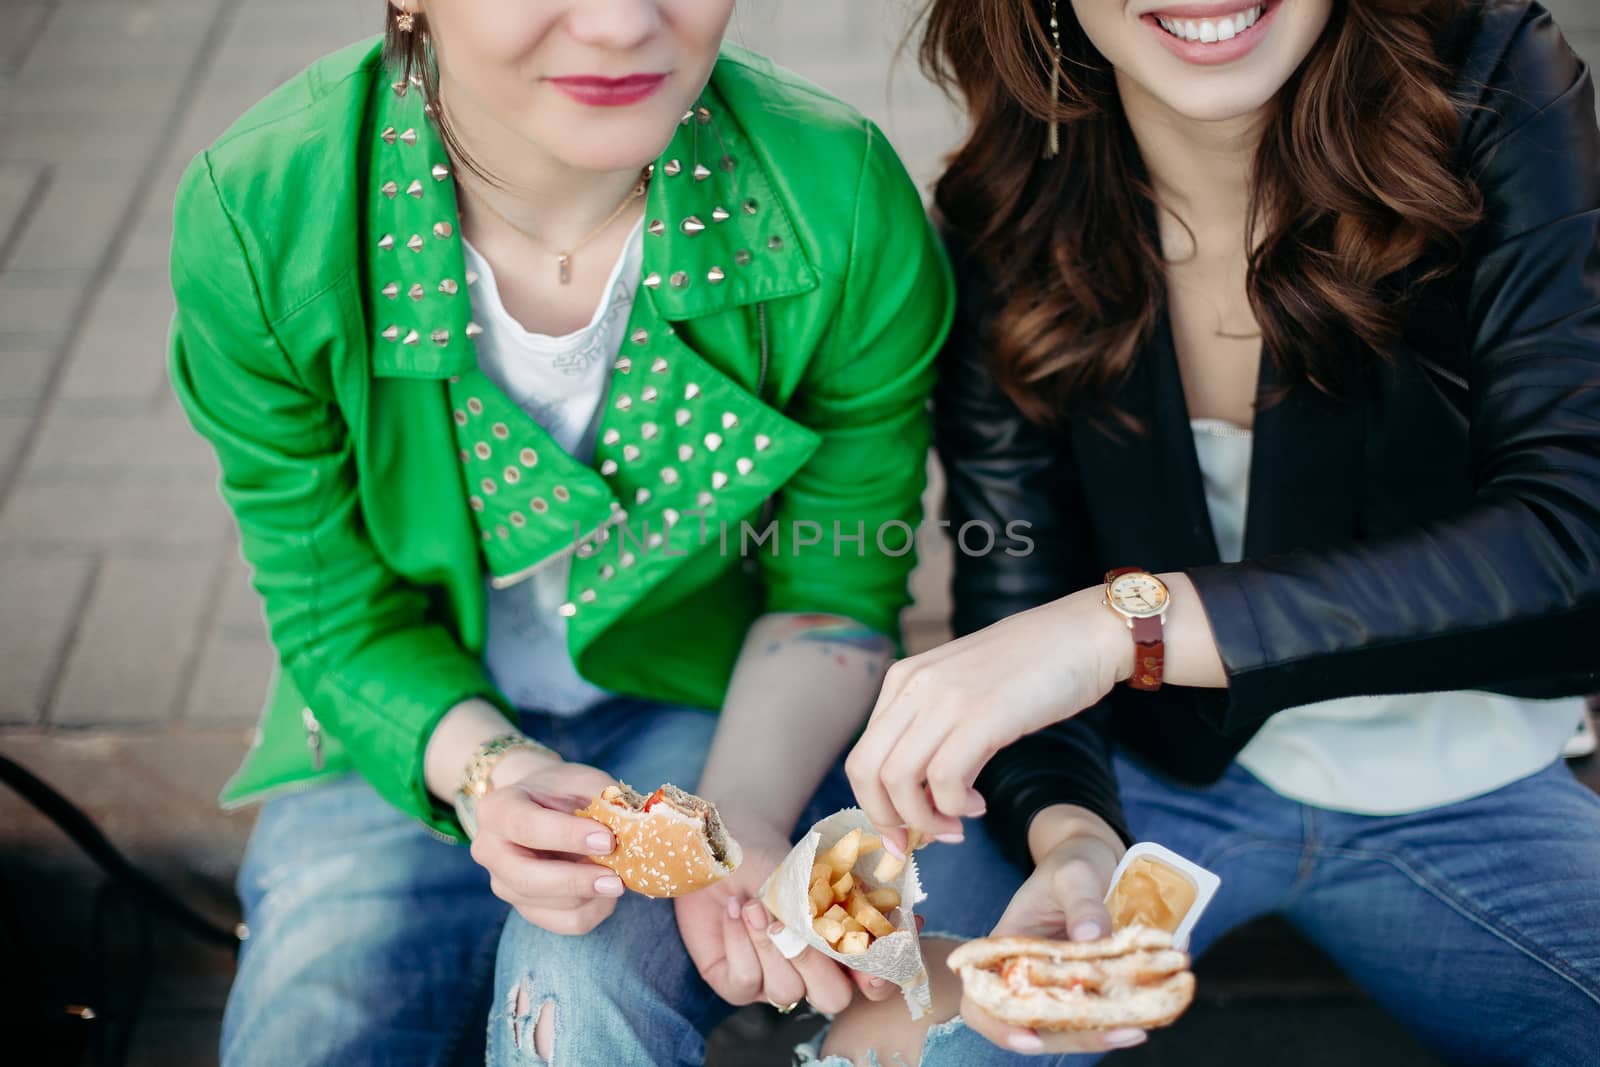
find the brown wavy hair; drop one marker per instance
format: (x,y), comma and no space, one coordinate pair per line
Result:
(1354,199)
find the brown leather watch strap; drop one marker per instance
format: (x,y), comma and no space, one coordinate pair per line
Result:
(1149,654)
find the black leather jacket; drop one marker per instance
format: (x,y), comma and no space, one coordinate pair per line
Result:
(1438,530)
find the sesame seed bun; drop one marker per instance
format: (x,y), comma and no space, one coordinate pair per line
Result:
(677,847)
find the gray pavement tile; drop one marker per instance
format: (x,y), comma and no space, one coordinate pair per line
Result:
(25,364)
(144,447)
(134,644)
(120,355)
(158,521)
(14,430)
(18,183)
(41,303)
(75,221)
(25,19)
(41,599)
(232,676)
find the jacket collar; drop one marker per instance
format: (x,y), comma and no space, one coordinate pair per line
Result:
(717,234)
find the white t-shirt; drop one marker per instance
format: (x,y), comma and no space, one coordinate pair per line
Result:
(1378,755)
(560,382)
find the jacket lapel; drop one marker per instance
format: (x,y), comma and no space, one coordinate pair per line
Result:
(678,437)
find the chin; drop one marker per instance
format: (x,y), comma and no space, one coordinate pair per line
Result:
(1215,102)
(609,145)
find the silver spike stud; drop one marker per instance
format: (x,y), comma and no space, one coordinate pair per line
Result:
(659,366)
(680,280)
(729,420)
(715,275)
(642,496)
(607,572)
(388,134)
(704,499)
(742,257)
(656,227)
(587,596)
(472,277)
(652,280)
(648,431)
(685,453)
(391,290)
(442,230)
(691,391)
(673,168)
(669,475)
(743,466)
(688,117)
(751,207)
(409,137)
(391,333)
(718,480)
(670,516)
(415,243)
(701,172)
(692,225)
(720,214)
(441,337)
(411,337)
(713,441)
(448,287)
(386,242)
(682,417)
(630,452)
(568,610)
(414,190)
(640,337)
(623,365)
(648,393)
(763,442)
(473,329)
(611,436)
(608,468)
(390,189)
(398,87)
(440,172)
(703,115)
(416,292)
(624,402)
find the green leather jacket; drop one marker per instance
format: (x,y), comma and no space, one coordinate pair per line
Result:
(777,368)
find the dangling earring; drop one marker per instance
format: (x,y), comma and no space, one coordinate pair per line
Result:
(405,21)
(1052,139)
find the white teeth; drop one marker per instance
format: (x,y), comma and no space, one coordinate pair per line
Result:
(1211,31)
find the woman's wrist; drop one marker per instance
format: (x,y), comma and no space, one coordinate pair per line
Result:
(1053,826)
(1088,620)
(459,735)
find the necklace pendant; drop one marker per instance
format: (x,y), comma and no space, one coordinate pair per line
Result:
(565,262)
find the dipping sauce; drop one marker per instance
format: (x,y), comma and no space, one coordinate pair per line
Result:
(1152,893)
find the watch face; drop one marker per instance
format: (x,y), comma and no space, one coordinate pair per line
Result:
(1141,595)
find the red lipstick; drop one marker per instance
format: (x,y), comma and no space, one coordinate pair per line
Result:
(595,91)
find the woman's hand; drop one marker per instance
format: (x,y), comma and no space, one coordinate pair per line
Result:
(942,715)
(534,847)
(728,933)
(1076,852)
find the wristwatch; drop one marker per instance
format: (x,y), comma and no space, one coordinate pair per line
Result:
(1142,599)
(476,781)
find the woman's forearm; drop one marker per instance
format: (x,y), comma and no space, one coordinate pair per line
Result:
(801,688)
(1191,656)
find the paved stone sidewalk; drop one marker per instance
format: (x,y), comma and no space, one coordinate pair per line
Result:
(131,648)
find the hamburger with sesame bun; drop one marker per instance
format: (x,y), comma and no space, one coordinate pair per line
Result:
(669,843)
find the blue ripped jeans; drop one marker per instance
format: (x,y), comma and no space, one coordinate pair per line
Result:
(374,943)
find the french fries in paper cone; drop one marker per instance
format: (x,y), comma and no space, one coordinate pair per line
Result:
(829,896)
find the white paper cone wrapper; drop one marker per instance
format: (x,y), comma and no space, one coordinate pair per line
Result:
(896,957)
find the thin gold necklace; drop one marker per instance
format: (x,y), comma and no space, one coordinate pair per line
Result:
(564,257)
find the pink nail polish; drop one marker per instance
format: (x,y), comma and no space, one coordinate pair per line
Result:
(893,848)
(1124,1038)
(755,916)
(951,839)
(599,843)
(1088,930)
(1025,1042)
(733,907)
(608,886)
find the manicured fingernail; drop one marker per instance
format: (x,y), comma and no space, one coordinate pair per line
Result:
(608,886)
(599,843)
(775,929)
(1088,930)
(951,839)
(1124,1038)
(1025,1042)
(976,805)
(755,916)
(892,847)
(876,983)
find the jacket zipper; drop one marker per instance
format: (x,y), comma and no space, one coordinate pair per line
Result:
(761,384)
(313,737)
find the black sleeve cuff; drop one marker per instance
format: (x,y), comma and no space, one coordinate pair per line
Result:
(1066,763)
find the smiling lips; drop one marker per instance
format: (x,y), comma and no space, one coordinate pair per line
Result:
(596,91)
(1208,34)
